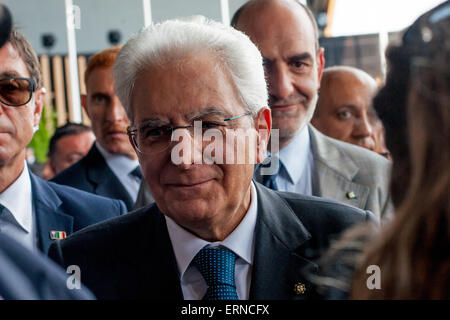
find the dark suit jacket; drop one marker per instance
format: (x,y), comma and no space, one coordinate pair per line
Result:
(131,257)
(92,174)
(30,275)
(61,208)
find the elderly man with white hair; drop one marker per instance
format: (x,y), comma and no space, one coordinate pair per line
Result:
(213,233)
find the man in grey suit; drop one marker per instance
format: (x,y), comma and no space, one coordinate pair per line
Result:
(192,91)
(310,162)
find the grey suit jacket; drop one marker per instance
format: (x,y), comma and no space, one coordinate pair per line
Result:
(131,257)
(349,174)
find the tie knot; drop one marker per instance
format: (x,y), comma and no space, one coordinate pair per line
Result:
(269,170)
(217,268)
(136,172)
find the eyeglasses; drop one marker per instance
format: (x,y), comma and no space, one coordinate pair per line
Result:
(16,91)
(150,139)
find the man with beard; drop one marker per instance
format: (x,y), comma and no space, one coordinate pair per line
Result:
(110,169)
(310,162)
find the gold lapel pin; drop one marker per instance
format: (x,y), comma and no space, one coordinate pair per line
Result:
(351,195)
(58,235)
(299,288)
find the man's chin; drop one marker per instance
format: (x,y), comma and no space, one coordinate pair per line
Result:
(116,148)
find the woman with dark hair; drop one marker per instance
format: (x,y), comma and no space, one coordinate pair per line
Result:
(412,251)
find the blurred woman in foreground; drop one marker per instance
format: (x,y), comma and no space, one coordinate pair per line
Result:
(413,250)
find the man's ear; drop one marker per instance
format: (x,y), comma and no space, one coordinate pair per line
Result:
(320,63)
(263,125)
(84,103)
(38,106)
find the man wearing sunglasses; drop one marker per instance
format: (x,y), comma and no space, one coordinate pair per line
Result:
(33,211)
(194,91)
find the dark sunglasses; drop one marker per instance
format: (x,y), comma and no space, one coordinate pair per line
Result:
(16,91)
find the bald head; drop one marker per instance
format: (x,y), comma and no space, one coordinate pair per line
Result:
(286,34)
(252,7)
(344,109)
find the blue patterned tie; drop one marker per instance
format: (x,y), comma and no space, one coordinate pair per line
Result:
(217,268)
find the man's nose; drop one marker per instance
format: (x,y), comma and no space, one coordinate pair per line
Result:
(280,82)
(189,150)
(116,111)
(362,127)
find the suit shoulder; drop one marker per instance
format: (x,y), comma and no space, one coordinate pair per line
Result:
(75,199)
(72,175)
(317,211)
(357,153)
(108,231)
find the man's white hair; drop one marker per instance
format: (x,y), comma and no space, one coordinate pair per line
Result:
(158,44)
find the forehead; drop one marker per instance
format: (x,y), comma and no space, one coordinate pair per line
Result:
(291,31)
(184,86)
(75,141)
(11,63)
(100,79)
(348,88)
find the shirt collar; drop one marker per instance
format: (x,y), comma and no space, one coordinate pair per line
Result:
(241,241)
(294,156)
(17,199)
(119,164)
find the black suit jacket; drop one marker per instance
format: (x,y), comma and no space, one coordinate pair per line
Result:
(131,257)
(92,174)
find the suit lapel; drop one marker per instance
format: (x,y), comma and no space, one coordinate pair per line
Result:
(334,173)
(158,272)
(279,238)
(49,217)
(104,180)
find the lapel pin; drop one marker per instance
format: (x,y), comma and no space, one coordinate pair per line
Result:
(351,195)
(299,288)
(58,235)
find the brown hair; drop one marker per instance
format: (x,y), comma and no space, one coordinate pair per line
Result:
(26,52)
(102,59)
(413,250)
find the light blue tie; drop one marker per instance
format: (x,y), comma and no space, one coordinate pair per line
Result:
(270,180)
(217,268)
(136,172)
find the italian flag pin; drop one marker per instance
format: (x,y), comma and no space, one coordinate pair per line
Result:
(57,235)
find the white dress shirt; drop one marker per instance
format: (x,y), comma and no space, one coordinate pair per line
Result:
(17,219)
(122,166)
(298,164)
(241,241)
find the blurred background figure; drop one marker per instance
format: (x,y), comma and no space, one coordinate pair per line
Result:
(342,110)
(110,168)
(412,252)
(68,144)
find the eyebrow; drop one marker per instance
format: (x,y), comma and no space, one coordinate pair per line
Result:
(301,56)
(152,122)
(10,74)
(209,111)
(348,106)
(190,117)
